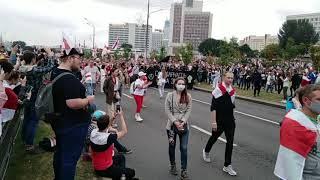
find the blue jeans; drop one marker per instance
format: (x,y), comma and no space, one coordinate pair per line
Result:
(90,88)
(70,142)
(183,148)
(29,126)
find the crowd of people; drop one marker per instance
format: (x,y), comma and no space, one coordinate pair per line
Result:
(81,128)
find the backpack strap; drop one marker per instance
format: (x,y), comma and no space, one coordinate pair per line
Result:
(60,76)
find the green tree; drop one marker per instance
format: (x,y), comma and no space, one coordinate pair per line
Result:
(301,31)
(246,51)
(87,53)
(22,44)
(271,52)
(229,53)
(163,53)
(126,50)
(153,54)
(315,56)
(186,53)
(210,47)
(116,54)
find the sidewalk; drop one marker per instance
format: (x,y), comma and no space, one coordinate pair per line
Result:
(207,88)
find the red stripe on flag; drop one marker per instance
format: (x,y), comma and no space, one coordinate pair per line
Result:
(296,137)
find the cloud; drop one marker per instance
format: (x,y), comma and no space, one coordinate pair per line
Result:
(125,3)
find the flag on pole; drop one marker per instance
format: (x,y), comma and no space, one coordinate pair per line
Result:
(116,44)
(66,43)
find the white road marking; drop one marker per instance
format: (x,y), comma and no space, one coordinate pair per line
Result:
(242,113)
(208,133)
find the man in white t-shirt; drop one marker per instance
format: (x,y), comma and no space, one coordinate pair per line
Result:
(140,86)
(95,74)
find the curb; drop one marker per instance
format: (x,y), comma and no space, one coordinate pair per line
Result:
(267,103)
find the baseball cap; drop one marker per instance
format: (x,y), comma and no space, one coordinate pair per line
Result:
(73,51)
(141,74)
(98,114)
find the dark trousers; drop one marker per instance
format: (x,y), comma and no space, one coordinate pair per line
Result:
(117,169)
(29,126)
(183,148)
(257,89)
(70,142)
(280,87)
(285,93)
(229,133)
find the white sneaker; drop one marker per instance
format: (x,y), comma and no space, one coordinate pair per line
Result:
(229,170)
(206,156)
(138,118)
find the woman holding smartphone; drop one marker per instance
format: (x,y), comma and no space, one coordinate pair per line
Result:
(178,106)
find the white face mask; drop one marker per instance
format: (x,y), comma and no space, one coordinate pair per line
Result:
(180,87)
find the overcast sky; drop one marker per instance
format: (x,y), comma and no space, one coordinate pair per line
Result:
(43,21)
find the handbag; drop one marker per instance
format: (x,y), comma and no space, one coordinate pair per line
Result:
(175,129)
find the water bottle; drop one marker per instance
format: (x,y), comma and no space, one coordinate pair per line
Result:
(123,177)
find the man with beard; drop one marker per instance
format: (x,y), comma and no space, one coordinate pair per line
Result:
(71,115)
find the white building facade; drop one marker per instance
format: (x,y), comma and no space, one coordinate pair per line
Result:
(130,33)
(313,18)
(157,40)
(259,42)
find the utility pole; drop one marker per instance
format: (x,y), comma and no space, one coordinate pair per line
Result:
(147,31)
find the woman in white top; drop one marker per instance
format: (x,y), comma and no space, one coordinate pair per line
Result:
(103,77)
(140,86)
(286,85)
(162,76)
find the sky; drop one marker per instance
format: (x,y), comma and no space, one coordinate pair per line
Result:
(42,22)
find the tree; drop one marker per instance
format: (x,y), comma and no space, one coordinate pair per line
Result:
(126,50)
(163,53)
(301,31)
(116,54)
(153,54)
(210,47)
(87,53)
(246,51)
(186,53)
(271,52)
(315,56)
(22,44)
(228,53)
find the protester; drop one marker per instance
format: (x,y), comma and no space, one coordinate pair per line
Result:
(71,116)
(257,81)
(162,76)
(222,120)
(286,85)
(103,77)
(178,106)
(94,72)
(102,145)
(298,154)
(140,86)
(34,76)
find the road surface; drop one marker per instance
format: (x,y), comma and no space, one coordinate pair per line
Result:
(255,146)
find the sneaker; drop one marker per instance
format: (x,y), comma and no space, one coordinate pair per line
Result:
(127,151)
(184,175)
(206,156)
(33,150)
(283,101)
(138,118)
(144,106)
(173,170)
(229,170)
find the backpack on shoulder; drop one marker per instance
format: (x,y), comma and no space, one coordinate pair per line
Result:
(44,102)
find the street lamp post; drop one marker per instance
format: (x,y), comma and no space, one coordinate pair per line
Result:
(147,31)
(94,31)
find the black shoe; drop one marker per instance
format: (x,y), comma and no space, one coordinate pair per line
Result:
(173,170)
(184,175)
(127,151)
(33,150)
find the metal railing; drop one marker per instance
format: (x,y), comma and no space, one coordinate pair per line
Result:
(7,141)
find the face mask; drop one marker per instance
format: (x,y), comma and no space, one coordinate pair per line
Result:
(315,107)
(180,87)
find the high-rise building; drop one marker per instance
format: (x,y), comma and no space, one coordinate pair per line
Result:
(166,29)
(189,24)
(130,33)
(259,42)
(157,40)
(313,18)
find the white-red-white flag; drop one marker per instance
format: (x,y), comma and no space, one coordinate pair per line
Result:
(66,43)
(116,44)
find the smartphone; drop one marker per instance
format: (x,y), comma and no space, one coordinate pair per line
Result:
(118,108)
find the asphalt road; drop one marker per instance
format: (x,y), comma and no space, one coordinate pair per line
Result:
(255,146)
